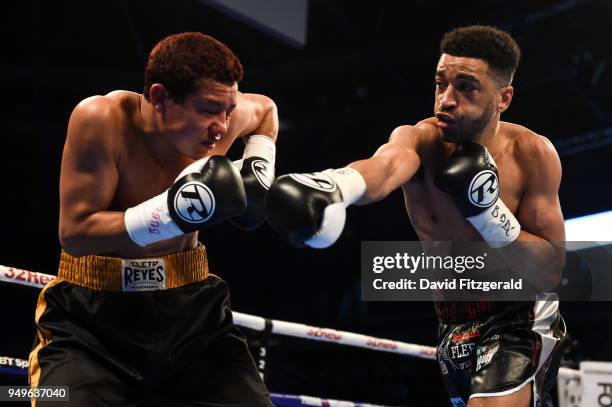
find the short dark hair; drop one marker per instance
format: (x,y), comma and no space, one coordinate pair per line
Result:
(181,60)
(494,46)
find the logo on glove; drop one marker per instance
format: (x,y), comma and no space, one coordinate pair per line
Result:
(194,202)
(316,180)
(263,172)
(484,189)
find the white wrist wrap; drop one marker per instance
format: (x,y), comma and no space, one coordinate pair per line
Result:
(260,146)
(497,225)
(351,184)
(150,221)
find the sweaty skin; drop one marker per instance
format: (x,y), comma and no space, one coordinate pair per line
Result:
(122,150)
(469,100)
(466,94)
(518,153)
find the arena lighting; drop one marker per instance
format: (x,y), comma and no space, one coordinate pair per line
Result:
(590,230)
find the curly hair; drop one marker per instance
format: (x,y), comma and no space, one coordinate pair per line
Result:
(494,46)
(179,61)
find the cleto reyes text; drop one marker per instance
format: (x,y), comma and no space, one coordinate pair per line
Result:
(144,271)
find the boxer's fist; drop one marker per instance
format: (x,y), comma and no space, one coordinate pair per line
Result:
(257,171)
(470,177)
(206,192)
(310,209)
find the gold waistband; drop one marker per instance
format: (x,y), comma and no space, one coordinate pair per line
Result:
(146,274)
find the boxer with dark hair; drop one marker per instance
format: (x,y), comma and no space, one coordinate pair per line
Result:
(135,317)
(506,356)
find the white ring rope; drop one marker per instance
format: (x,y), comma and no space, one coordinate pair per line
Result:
(23,277)
(568,374)
(331,335)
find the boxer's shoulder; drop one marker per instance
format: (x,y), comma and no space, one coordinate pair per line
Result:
(95,117)
(431,147)
(100,109)
(103,120)
(528,145)
(420,135)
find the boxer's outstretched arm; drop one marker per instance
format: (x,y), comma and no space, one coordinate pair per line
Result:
(310,209)
(88,181)
(391,166)
(538,254)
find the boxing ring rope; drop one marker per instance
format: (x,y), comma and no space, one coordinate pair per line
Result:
(330,335)
(353,339)
(18,276)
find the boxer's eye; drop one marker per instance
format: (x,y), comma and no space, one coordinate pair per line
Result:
(209,112)
(205,111)
(466,87)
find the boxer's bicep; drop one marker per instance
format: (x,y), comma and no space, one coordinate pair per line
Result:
(391,166)
(539,211)
(403,146)
(402,155)
(89,174)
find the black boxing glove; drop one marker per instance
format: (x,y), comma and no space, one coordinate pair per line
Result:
(471,178)
(257,171)
(204,193)
(310,209)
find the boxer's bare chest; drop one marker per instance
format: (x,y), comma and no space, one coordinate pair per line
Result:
(432,212)
(141,175)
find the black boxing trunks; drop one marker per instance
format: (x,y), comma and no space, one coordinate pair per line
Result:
(142,332)
(500,354)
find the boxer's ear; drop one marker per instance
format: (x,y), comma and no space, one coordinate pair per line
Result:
(158,96)
(507,92)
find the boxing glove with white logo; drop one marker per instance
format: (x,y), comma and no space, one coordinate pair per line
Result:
(257,171)
(471,178)
(206,192)
(310,209)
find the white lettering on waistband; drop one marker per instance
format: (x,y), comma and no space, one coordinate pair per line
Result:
(143,274)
